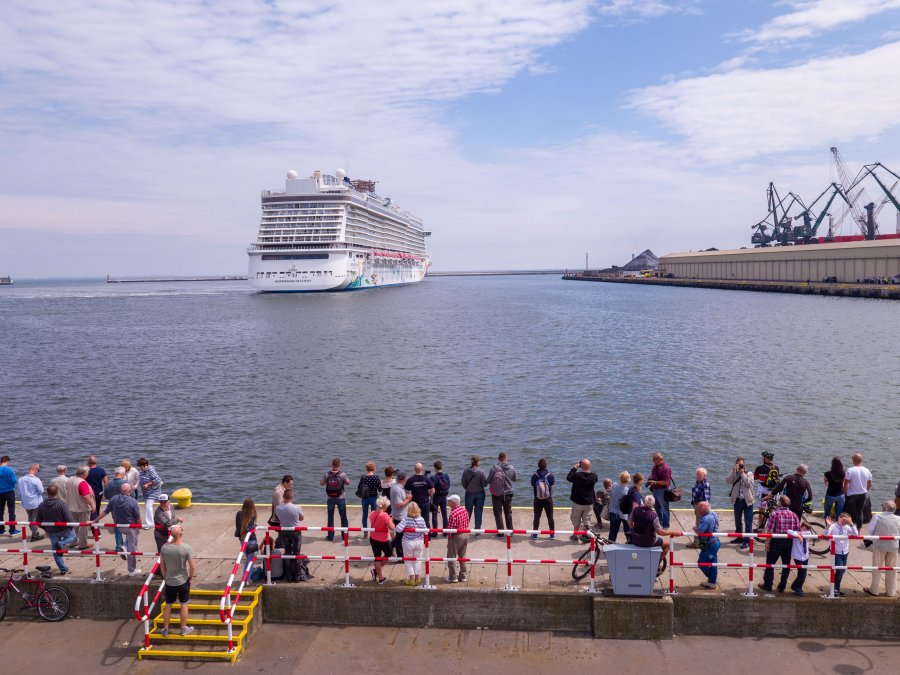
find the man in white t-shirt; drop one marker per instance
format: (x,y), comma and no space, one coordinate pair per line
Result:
(857,483)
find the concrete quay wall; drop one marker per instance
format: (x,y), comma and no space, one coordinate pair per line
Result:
(606,617)
(884,292)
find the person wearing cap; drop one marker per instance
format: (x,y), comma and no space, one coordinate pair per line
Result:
(163,519)
(125,511)
(457,542)
(767,477)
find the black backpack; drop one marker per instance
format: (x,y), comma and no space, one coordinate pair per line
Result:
(334,485)
(625,503)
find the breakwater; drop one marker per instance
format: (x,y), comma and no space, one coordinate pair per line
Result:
(158,280)
(884,292)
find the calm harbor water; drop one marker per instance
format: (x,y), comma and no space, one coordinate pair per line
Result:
(225,389)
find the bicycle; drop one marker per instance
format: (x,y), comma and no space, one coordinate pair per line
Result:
(581,570)
(51,602)
(817,546)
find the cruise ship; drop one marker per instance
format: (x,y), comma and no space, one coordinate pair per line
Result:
(330,233)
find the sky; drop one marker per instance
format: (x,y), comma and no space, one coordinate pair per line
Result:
(136,136)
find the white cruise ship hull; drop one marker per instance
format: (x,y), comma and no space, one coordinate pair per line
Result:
(328,233)
(341,271)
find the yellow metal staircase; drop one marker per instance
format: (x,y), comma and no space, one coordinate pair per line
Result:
(209,641)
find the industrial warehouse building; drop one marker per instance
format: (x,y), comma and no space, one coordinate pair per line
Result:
(845,261)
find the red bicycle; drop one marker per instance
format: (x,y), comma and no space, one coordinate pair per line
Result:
(51,602)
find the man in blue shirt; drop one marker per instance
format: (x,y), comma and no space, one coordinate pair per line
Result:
(31,490)
(8,480)
(709,546)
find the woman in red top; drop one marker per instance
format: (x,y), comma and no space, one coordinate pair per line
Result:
(380,538)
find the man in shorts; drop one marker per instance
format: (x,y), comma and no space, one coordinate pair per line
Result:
(178,567)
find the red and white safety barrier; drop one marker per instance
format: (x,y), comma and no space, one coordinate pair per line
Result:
(751,565)
(509,561)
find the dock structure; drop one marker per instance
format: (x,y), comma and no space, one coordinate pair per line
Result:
(848,290)
(149,280)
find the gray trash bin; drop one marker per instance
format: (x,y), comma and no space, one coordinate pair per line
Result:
(632,569)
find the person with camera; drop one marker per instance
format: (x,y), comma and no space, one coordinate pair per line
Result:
(741,495)
(583,481)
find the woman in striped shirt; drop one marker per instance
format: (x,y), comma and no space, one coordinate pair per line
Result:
(413,543)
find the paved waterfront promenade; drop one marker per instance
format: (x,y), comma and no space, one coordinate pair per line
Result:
(210,530)
(37,647)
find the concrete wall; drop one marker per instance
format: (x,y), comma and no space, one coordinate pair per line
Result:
(656,618)
(784,616)
(334,606)
(847,261)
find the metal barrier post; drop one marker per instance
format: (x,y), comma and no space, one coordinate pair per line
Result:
(24,547)
(830,594)
(269,547)
(347,583)
(230,631)
(750,592)
(671,590)
(592,588)
(146,596)
(509,579)
(97,578)
(427,583)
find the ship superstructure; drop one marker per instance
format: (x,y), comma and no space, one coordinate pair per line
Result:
(328,233)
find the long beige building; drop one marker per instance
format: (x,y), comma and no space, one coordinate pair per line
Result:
(847,261)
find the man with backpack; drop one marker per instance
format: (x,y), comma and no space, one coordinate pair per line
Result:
(583,481)
(542,482)
(334,482)
(767,477)
(500,480)
(441,483)
(797,488)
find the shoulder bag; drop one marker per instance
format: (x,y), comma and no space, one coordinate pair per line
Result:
(672,494)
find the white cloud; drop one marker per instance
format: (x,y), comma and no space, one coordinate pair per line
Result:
(747,113)
(302,62)
(812,17)
(646,9)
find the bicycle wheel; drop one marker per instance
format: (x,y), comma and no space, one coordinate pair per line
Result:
(4,599)
(818,546)
(53,604)
(579,572)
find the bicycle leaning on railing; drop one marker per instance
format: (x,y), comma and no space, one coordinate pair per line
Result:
(51,602)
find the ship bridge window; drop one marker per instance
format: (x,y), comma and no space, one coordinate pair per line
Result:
(297,256)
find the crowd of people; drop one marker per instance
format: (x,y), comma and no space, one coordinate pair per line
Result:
(396,505)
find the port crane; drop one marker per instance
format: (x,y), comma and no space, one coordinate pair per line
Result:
(853,197)
(785,225)
(782,222)
(806,233)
